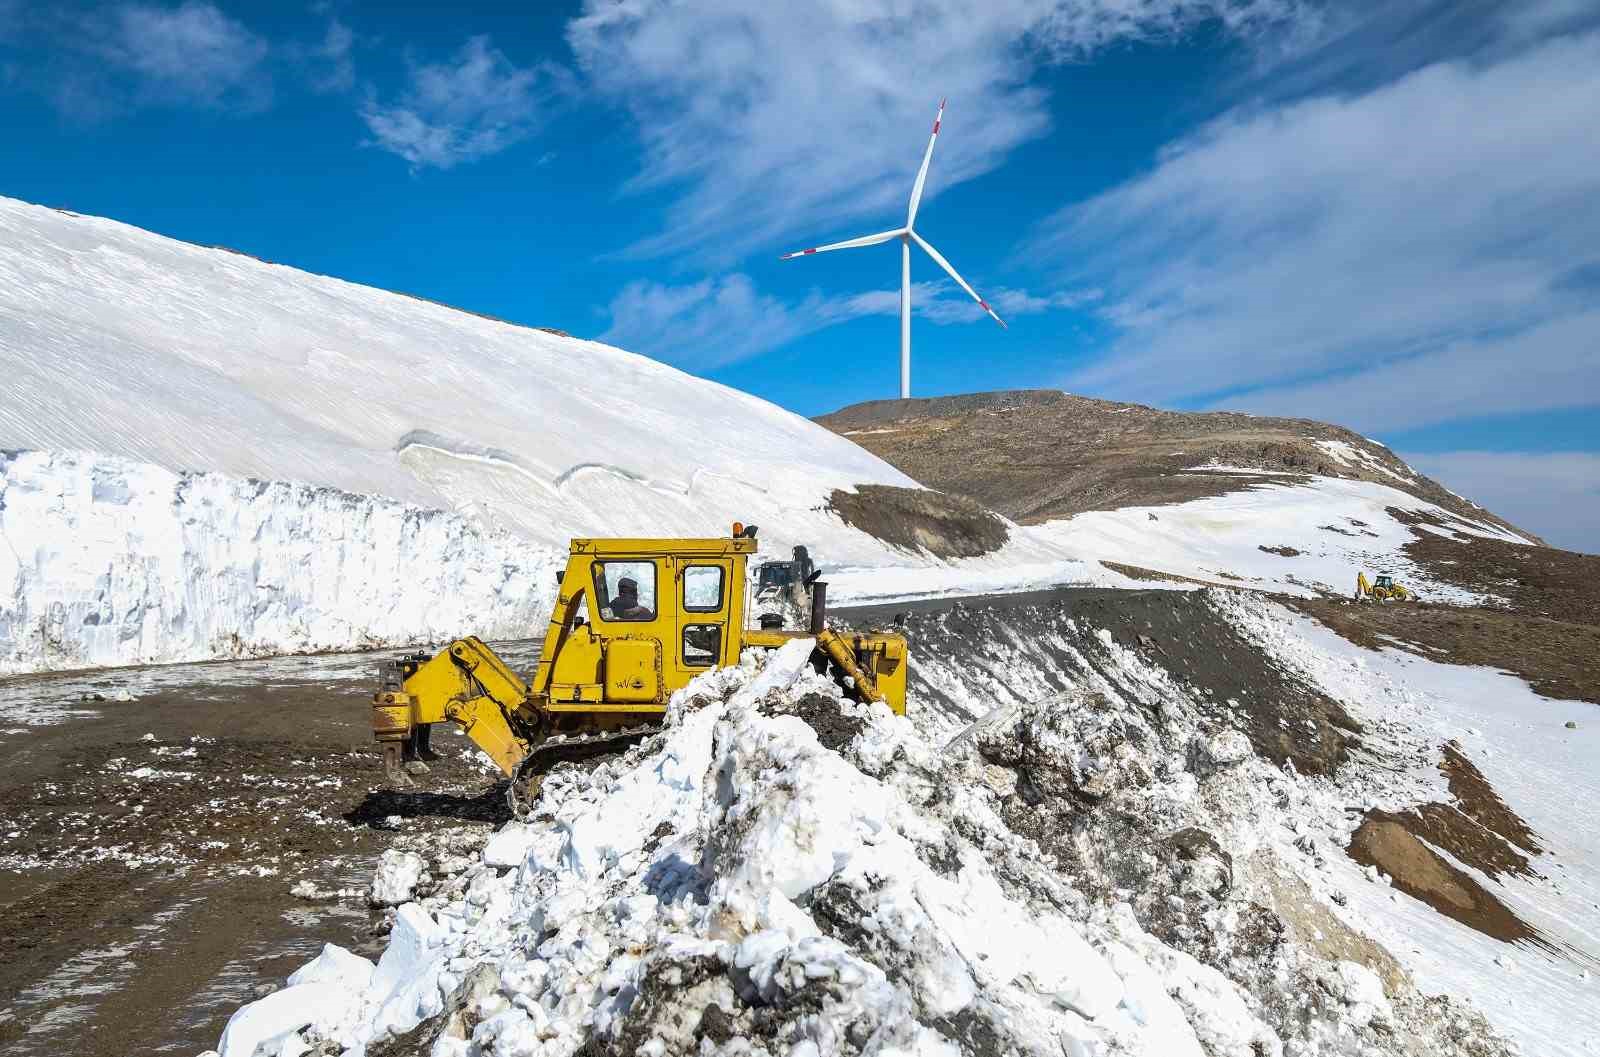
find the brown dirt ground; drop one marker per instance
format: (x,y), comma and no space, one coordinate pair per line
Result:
(947,526)
(145,883)
(1139,572)
(1037,454)
(1535,581)
(1558,658)
(1479,802)
(1479,829)
(1388,842)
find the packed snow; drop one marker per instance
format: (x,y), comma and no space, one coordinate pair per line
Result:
(113,562)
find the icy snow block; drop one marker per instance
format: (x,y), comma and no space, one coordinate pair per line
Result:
(405,983)
(280,1013)
(337,967)
(509,846)
(396,877)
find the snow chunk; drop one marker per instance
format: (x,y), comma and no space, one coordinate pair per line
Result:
(399,872)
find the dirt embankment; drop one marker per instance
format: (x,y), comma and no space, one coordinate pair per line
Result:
(1038,454)
(946,526)
(1285,719)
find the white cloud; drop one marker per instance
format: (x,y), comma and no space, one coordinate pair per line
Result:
(1435,237)
(191,53)
(96,63)
(1553,494)
(1546,367)
(329,64)
(717,321)
(779,119)
(476,104)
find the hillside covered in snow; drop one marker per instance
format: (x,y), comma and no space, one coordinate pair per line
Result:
(207,455)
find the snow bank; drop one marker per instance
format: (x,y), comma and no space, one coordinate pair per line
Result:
(743,884)
(110,562)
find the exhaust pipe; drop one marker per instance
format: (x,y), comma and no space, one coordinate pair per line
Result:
(819,607)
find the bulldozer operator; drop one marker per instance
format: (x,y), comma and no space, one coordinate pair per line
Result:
(626,606)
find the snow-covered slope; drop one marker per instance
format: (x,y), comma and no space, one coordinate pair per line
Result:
(118,341)
(1295,534)
(214,456)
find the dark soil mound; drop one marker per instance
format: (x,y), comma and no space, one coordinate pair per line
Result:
(1285,719)
(946,526)
(1389,842)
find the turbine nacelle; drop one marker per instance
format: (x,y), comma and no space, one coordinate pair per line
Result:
(907,235)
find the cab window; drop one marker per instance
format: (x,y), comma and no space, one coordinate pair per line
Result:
(702,645)
(625,590)
(702,588)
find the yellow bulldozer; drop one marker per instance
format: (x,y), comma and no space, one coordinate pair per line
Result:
(633,621)
(1383,589)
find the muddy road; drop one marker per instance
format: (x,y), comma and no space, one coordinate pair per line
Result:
(148,845)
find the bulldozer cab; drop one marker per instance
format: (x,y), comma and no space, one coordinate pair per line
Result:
(660,613)
(1384,581)
(634,621)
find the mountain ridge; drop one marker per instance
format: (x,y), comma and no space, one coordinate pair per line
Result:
(1037,455)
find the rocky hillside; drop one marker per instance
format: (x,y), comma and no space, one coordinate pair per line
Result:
(1039,454)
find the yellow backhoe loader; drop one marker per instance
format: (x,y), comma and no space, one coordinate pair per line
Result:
(634,620)
(1384,589)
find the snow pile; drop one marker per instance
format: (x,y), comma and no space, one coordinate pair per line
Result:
(781,872)
(112,562)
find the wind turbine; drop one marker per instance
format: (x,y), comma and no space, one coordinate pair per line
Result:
(907,235)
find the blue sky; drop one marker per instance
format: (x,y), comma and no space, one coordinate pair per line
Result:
(1386,215)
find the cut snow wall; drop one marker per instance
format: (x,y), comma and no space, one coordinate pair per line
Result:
(111,562)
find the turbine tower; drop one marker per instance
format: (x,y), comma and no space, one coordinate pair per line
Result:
(907,235)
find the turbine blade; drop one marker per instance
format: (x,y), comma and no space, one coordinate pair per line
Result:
(922,173)
(959,281)
(848,244)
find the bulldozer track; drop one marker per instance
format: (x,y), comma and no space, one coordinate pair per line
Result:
(529,776)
